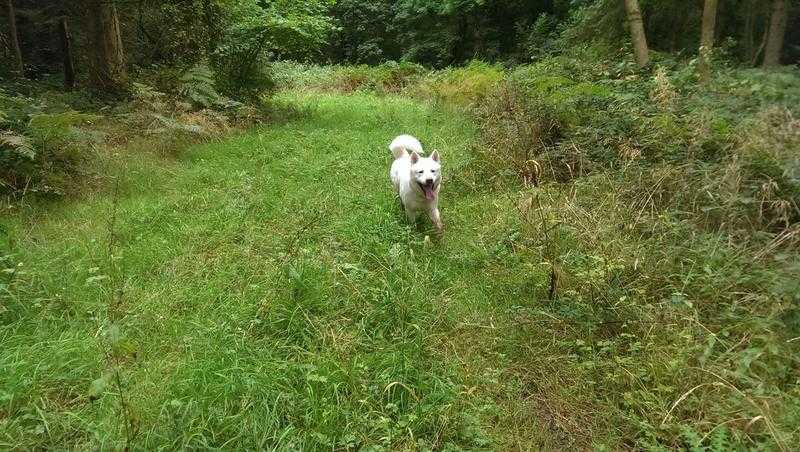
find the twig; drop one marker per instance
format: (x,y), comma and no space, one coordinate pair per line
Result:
(117,296)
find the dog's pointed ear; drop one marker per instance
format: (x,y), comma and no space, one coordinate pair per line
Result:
(435,156)
(414,157)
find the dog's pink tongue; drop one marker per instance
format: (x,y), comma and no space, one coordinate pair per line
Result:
(430,195)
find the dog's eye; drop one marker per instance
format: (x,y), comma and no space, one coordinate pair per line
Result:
(420,171)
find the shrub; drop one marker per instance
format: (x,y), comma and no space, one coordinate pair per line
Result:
(389,77)
(559,119)
(517,131)
(51,148)
(242,70)
(197,85)
(463,86)
(258,33)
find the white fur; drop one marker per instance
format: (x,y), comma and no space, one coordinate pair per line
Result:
(416,179)
(404,144)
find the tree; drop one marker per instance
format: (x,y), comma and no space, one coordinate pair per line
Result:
(107,71)
(13,36)
(707,39)
(777,30)
(638,36)
(66,50)
(261,32)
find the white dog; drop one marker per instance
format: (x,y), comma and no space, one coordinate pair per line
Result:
(416,179)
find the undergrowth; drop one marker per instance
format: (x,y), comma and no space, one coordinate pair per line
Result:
(620,268)
(55,143)
(649,289)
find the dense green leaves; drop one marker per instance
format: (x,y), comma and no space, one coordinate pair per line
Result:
(239,36)
(258,34)
(454,31)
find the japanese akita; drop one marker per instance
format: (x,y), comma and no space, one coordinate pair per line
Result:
(416,179)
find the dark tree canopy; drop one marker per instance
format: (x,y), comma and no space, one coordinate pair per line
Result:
(238,36)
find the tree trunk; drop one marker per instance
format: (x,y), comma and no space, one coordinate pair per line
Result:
(638,37)
(749,33)
(14,37)
(66,50)
(107,71)
(707,40)
(761,46)
(777,30)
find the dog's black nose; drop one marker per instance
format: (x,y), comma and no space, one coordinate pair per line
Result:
(428,181)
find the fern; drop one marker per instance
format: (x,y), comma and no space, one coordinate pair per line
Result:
(57,129)
(163,124)
(15,110)
(721,440)
(197,85)
(148,97)
(18,144)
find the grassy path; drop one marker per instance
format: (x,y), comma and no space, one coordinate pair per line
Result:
(265,292)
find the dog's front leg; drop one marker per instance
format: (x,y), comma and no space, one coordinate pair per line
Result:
(411,215)
(436,219)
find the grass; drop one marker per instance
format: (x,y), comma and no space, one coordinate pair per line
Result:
(264,292)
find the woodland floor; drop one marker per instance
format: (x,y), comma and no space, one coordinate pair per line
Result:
(265,292)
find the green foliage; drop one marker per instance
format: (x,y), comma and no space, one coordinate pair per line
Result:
(50,146)
(634,298)
(197,85)
(389,77)
(539,38)
(15,110)
(463,87)
(53,131)
(176,33)
(20,145)
(438,34)
(258,34)
(365,32)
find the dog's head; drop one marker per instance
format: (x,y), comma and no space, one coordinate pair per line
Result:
(426,174)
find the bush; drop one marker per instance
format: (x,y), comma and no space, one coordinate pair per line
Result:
(389,77)
(47,147)
(242,71)
(197,86)
(463,86)
(261,32)
(51,146)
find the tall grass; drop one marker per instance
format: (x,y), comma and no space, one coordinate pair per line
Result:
(653,267)
(620,271)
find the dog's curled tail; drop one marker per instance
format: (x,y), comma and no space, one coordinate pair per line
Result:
(404,144)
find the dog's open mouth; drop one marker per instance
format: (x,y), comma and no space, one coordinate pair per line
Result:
(429,189)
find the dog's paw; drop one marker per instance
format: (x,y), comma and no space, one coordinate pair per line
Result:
(439,232)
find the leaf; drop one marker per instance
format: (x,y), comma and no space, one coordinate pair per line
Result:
(197,84)
(679,299)
(317,378)
(20,144)
(113,334)
(98,387)
(95,279)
